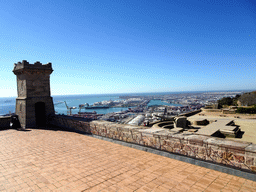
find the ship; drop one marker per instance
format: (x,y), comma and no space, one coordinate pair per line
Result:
(97,107)
(58,102)
(87,106)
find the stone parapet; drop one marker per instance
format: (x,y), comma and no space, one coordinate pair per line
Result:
(188,114)
(67,122)
(211,110)
(236,154)
(5,122)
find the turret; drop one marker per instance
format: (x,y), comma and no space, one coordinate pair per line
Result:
(34,102)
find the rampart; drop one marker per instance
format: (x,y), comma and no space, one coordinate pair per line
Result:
(236,154)
(191,113)
(67,122)
(5,122)
(211,110)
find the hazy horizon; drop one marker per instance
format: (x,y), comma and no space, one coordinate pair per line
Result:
(153,93)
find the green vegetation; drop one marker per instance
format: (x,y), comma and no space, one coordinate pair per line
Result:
(246,99)
(235,99)
(228,101)
(249,110)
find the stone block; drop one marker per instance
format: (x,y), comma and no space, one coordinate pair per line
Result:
(251,148)
(169,148)
(5,122)
(227,156)
(180,122)
(253,168)
(196,139)
(250,161)
(178,136)
(225,144)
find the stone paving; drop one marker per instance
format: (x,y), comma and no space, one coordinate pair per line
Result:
(47,160)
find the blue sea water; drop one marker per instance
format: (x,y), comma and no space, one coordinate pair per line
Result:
(76,100)
(7,104)
(159,102)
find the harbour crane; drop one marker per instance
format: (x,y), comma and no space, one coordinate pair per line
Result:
(82,106)
(69,112)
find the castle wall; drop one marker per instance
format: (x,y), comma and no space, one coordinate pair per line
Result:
(236,154)
(5,122)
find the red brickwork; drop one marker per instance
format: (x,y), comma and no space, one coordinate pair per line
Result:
(42,160)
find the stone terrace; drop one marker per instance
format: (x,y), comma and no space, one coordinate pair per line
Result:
(47,160)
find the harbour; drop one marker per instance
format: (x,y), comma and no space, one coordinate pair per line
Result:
(76,100)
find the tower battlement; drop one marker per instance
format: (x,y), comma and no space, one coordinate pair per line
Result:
(27,66)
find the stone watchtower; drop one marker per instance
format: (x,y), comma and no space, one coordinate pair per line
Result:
(34,103)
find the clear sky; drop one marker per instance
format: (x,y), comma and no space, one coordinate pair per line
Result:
(124,46)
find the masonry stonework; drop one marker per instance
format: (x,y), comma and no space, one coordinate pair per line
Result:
(236,154)
(34,103)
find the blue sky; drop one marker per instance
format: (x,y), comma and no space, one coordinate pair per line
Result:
(120,46)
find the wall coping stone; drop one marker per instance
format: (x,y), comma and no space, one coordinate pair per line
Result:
(151,130)
(251,148)
(179,136)
(198,138)
(227,143)
(5,117)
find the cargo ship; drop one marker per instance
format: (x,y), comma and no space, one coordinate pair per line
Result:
(96,107)
(87,106)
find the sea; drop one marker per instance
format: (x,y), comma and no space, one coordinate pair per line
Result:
(7,104)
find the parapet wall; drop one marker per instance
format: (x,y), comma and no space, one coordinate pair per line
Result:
(5,122)
(67,122)
(191,113)
(26,65)
(211,110)
(232,153)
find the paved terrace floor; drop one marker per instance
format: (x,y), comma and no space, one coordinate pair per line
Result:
(45,160)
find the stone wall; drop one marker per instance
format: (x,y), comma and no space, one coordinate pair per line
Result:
(210,110)
(190,113)
(232,153)
(67,122)
(228,111)
(5,122)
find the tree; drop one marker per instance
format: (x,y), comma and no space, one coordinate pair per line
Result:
(225,101)
(251,110)
(235,99)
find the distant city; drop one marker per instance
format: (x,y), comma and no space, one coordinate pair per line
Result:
(118,107)
(137,109)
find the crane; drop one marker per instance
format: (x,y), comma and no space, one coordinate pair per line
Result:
(82,106)
(69,112)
